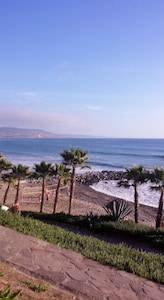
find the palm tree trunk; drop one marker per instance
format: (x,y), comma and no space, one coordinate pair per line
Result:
(57,195)
(159,212)
(17,192)
(6,193)
(136,204)
(42,198)
(71,189)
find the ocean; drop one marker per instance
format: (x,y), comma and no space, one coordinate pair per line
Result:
(103,154)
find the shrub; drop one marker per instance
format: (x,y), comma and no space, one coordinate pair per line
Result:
(118,209)
(92,219)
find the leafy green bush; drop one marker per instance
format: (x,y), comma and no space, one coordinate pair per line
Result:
(134,231)
(144,264)
(103,225)
(92,219)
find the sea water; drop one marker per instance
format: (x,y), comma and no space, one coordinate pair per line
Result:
(103,154)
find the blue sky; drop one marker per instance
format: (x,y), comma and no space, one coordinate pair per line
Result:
(92,67)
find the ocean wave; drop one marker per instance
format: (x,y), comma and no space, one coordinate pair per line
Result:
(106,165)
(116,154)
(146,195)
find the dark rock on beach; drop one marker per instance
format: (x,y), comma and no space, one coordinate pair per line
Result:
(90,178)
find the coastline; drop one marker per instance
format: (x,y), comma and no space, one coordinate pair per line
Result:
(85,200)
(147,214)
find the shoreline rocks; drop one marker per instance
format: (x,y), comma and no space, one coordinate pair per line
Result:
(89,178)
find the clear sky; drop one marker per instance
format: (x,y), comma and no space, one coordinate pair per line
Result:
(92,67)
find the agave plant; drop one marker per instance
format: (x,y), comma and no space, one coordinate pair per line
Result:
(118,209)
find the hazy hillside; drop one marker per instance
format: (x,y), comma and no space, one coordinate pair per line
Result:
(11,132)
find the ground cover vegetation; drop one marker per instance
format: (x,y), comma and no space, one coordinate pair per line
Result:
(105,225)
(147,265)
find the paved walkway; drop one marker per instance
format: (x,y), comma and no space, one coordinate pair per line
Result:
(73,272)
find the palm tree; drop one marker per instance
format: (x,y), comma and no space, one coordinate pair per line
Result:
(19,172)
(74,158)
(42,170)
(10,180)
(63,174)
(134,177)
(5,165)
(157,177)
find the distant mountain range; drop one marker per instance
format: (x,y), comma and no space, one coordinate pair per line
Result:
(11,132)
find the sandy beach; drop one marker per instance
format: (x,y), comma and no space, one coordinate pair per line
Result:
(85,200)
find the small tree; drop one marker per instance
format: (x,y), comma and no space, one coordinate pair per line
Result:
(10,180)
(63,175)
(74,158)
(19,172)
(157,177)
(5,165)
(42,170)
(134,177)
